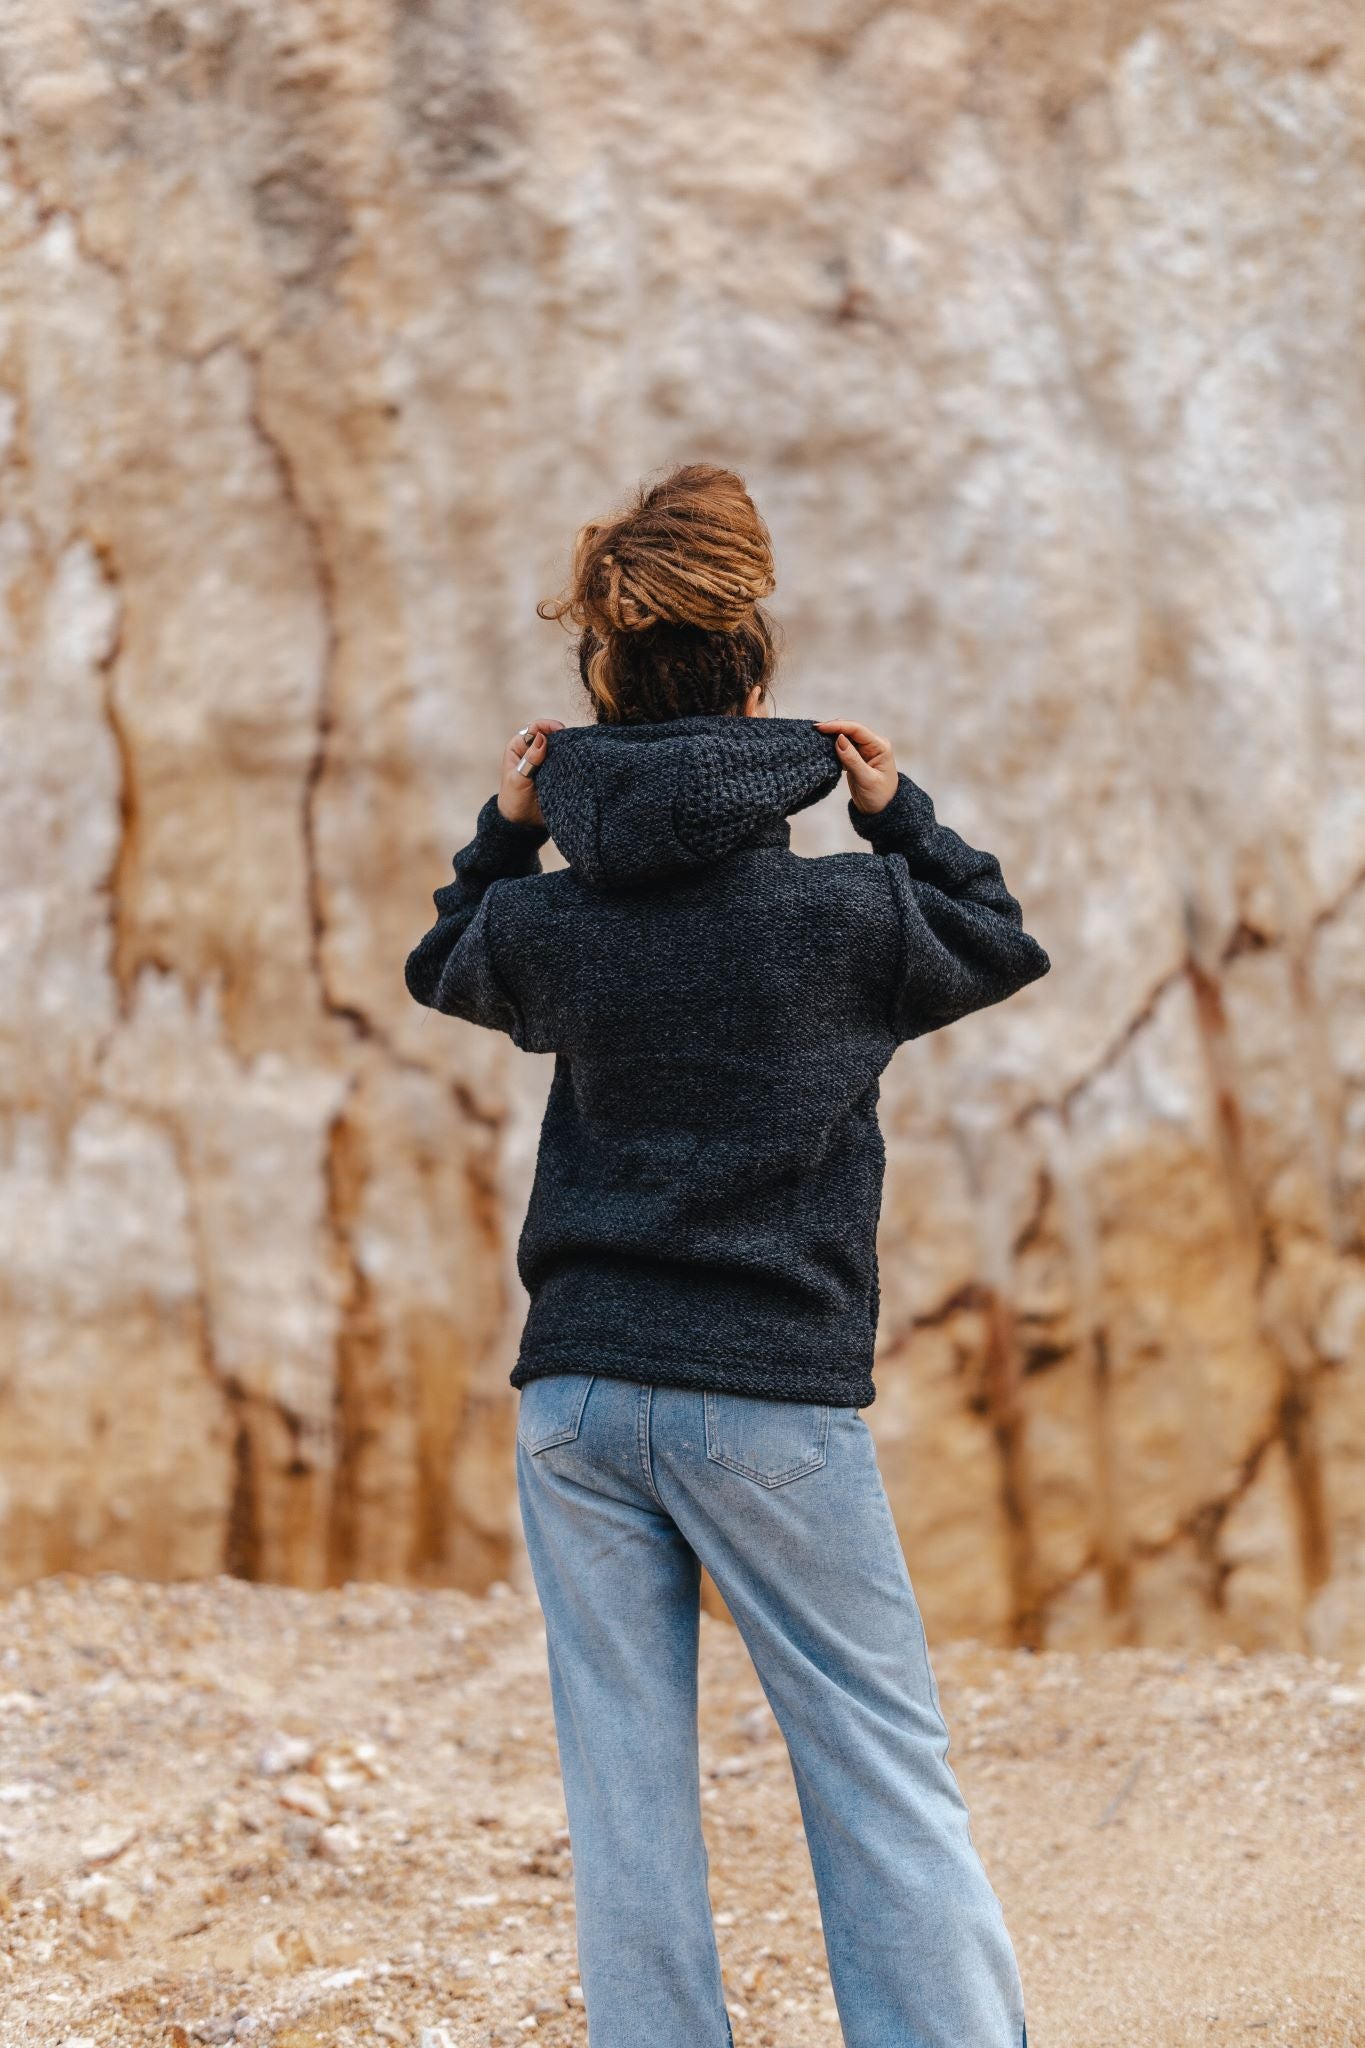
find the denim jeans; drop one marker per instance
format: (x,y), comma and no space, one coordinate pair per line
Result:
(626,1490)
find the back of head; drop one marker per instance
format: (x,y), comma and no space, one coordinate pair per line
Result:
(666,598)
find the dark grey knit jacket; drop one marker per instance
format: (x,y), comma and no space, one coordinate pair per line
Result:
(706,1196)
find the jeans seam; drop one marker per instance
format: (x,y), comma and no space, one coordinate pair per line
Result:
(546,1443)
(642,1415)
(767,1478)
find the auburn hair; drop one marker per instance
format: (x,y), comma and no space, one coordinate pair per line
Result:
(667,599)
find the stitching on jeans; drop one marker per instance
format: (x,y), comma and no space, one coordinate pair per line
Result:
(718,1457)
(564,1435)
(642,1414)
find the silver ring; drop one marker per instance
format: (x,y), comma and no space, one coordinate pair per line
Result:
(524,764)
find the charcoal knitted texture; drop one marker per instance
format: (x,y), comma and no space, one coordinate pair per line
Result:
(720,1010)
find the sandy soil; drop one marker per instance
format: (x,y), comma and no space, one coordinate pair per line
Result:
(240,1813)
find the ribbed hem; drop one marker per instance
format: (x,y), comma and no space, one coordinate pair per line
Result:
(777,1380)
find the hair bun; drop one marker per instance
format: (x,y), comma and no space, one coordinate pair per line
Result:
(690,551)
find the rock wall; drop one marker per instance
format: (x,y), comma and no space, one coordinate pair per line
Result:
(1036,329)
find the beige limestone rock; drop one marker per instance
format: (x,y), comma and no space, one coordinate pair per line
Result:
(1060,1406)
(1172,1598)
(1260,1544)
(941,1468)
(1036,332)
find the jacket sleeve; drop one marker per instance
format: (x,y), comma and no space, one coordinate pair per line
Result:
(963,943)
(455,968)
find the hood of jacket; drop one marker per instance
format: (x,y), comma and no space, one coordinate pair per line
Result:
(634,803)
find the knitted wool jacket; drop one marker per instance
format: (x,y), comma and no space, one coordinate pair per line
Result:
(709,1179)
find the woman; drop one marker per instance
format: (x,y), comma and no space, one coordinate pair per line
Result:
(700,1256)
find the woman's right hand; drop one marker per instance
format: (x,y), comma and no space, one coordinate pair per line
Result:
(868,762)
(517,799)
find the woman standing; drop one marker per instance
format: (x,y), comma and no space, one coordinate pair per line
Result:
(700,1256)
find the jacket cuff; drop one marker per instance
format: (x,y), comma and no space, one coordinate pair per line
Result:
(501,846)
(900,823)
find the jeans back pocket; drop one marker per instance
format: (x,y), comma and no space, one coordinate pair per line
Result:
(770,1442)
(550,1410)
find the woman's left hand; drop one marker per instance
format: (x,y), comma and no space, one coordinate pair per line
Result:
(517,799)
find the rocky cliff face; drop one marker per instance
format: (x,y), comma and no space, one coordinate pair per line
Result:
(1037,333)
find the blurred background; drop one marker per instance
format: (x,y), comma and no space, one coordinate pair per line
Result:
(1036,331)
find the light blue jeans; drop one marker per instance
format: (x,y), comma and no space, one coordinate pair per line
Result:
(626,1490)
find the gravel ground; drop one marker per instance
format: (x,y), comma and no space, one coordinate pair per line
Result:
(231,1812)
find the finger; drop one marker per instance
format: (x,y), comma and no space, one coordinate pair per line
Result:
(854,756)
(862,736)
(526,736)
(532,755)
(860,775)
(846,726)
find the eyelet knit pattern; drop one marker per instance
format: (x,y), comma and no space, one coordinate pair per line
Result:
(708,1184)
